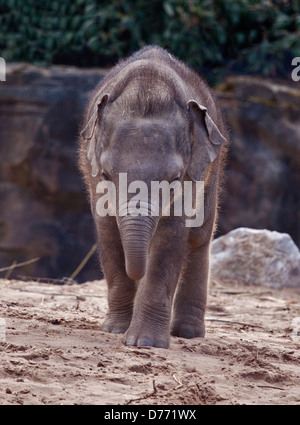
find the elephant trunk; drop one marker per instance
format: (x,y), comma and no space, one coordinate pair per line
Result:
(136,233)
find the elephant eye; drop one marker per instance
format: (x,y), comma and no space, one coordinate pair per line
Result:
(105,176)
(176,177)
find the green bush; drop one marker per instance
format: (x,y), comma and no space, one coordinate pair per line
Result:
(211,35)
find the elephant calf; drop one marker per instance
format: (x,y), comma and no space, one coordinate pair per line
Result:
(153,120)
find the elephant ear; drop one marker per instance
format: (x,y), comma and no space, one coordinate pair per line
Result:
(207,141)
(88,133)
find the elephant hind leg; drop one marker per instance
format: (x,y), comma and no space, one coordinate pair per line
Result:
(190,299)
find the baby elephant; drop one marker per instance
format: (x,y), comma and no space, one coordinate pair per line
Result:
(151,153)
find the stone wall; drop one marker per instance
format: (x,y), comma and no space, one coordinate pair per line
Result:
(262,183)
(44,211)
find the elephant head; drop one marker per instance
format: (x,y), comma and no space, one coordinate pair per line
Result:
(172,141)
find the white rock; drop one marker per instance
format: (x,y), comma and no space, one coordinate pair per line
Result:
(257,257)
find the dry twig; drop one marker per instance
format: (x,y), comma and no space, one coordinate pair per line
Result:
(15,265)
(47,280)
(270,386)
(9,272)
(178,381)
(83,262)
(233,322)
(145,396)
(55,294)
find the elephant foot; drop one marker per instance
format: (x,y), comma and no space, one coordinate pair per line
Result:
(187,330)
(115,325)
(145,337)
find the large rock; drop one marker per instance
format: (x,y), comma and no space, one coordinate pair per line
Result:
(263,176)
(257,257)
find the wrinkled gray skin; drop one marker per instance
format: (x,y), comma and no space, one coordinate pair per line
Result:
(148,118)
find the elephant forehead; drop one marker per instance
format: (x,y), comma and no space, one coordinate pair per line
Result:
(150,165)
(145,133)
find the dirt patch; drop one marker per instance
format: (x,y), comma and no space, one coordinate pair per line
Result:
(53,351)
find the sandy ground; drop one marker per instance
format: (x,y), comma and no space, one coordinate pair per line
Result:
(52,350)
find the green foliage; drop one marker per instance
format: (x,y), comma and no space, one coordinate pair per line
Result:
(214,35)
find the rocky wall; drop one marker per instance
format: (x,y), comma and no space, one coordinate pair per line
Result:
(262,182)
(44,211)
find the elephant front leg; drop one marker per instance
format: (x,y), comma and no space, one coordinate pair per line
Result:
(150,324)
(121,290)
(121,293)
(190,299)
